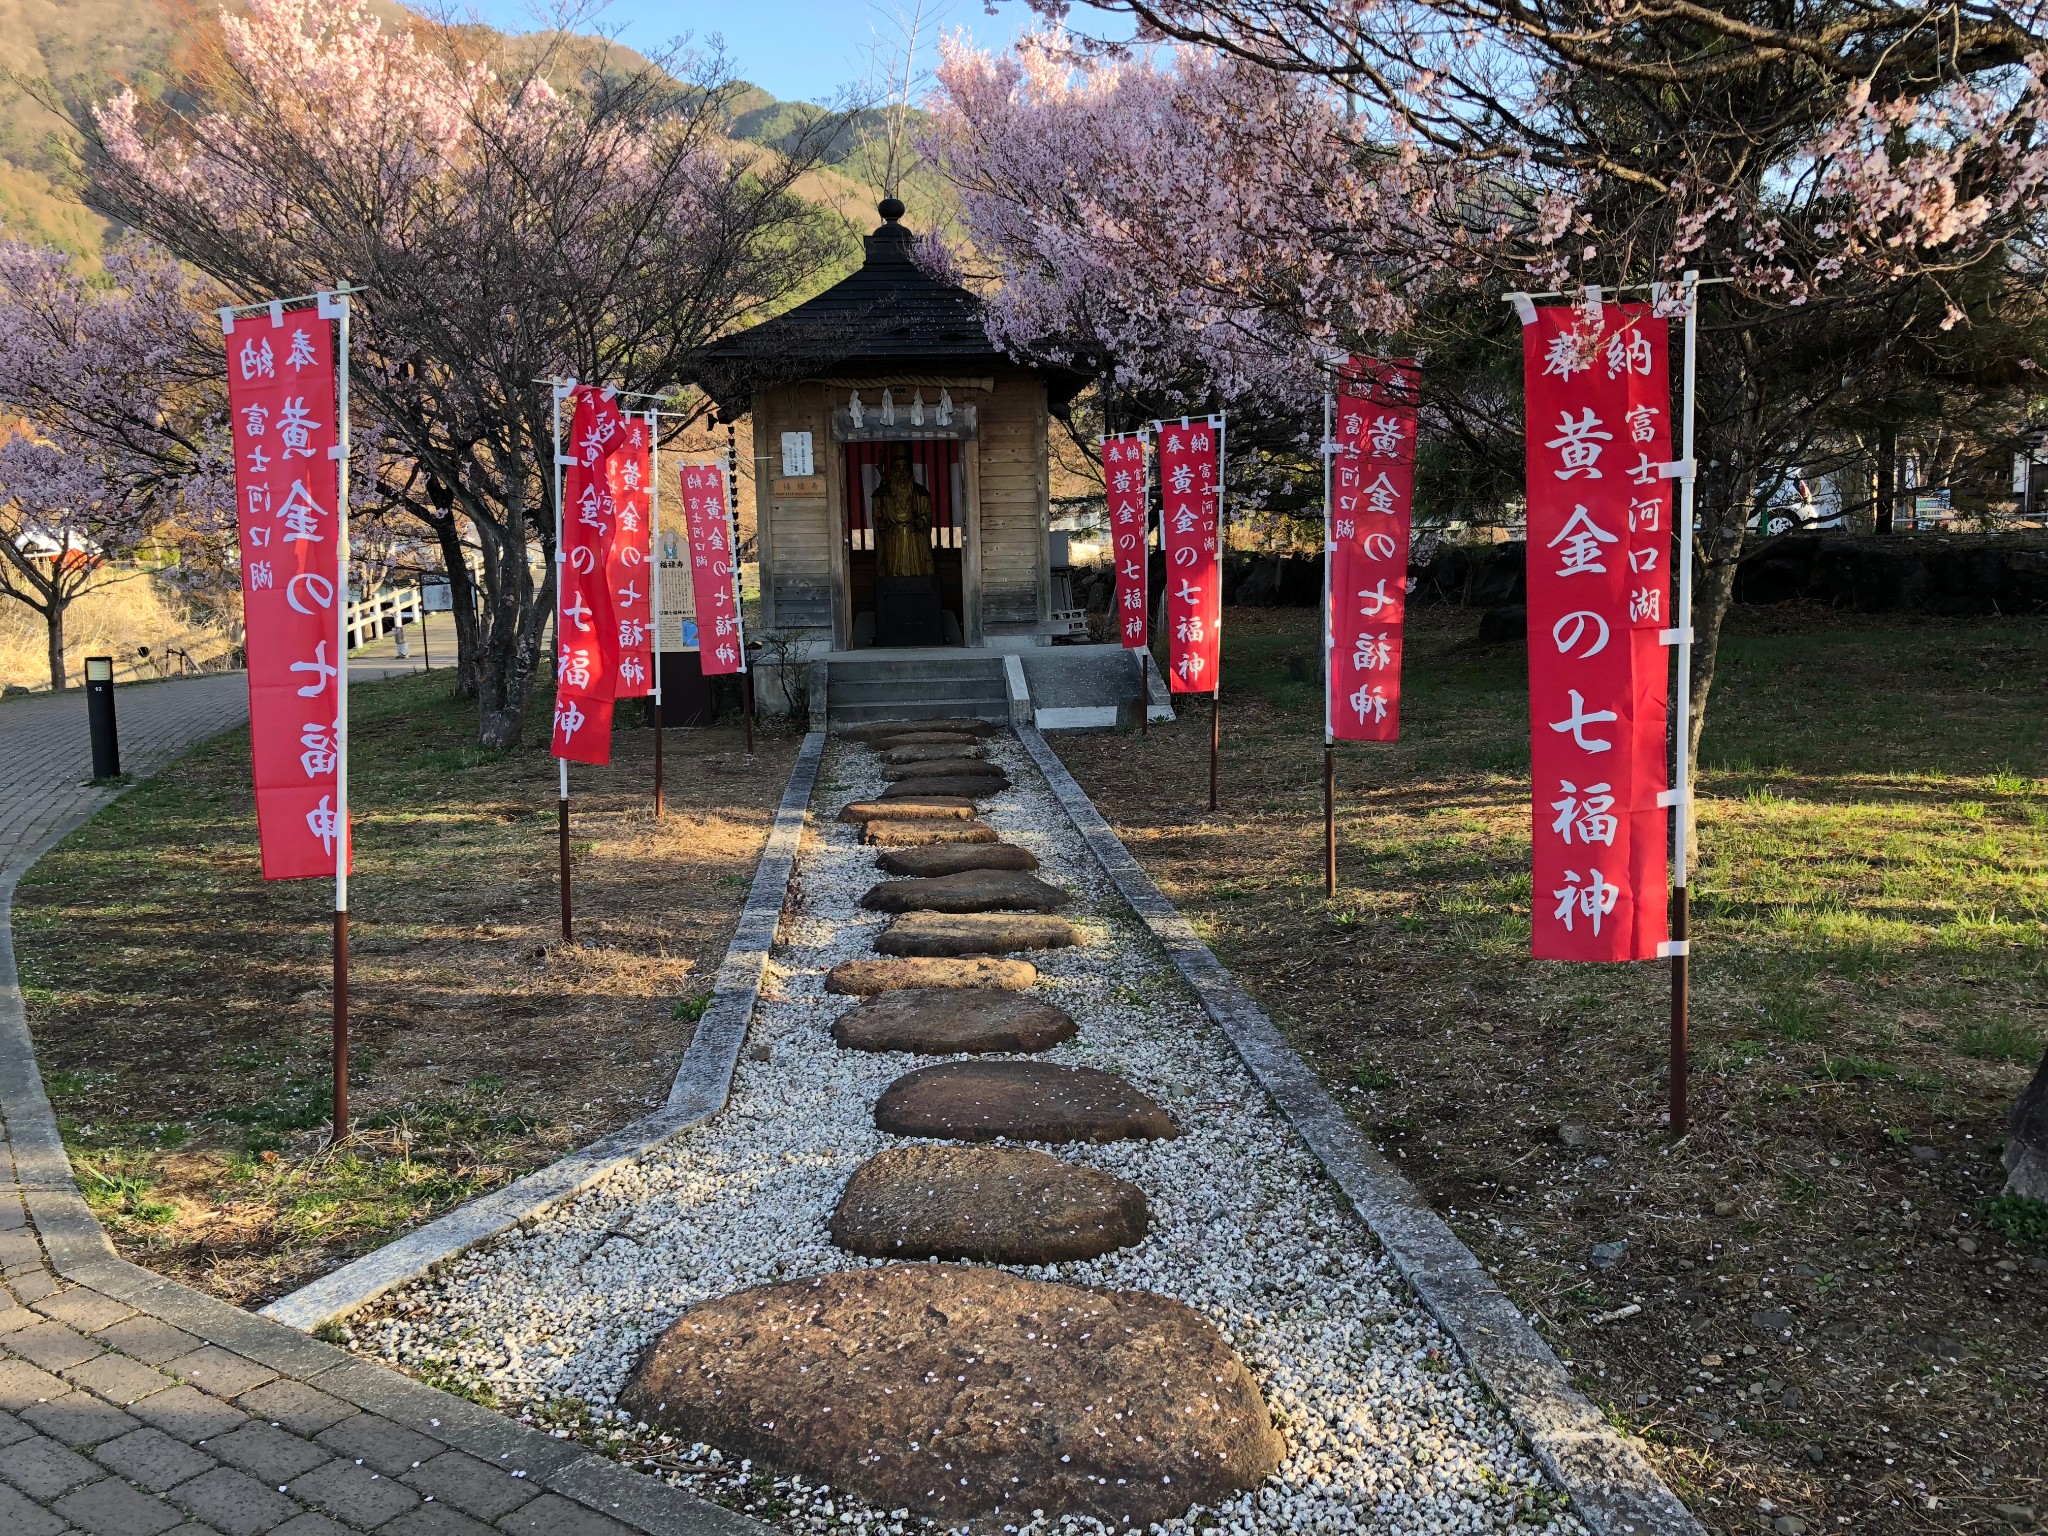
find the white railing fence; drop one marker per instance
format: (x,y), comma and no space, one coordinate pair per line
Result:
(381,613)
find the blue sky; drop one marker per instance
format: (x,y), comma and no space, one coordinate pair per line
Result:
(807,50)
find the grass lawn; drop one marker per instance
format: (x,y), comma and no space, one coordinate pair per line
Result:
(1836,1315)
(180,1004)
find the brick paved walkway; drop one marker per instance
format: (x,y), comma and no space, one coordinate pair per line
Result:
(133,1406)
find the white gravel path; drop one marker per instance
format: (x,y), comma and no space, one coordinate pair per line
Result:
(1386,1432)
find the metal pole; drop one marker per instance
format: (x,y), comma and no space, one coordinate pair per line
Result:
(1329,640)
(732,549)
(1145,591)
(562,763)
(654,545)
(343,840)
(1681,767)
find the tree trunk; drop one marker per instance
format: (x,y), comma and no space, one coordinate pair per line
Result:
(1886,510)
(2026,1154)
(53,618)
(461,600)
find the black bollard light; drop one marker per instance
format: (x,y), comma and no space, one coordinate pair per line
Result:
(99,715)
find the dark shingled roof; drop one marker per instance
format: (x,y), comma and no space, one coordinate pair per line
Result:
(891,316)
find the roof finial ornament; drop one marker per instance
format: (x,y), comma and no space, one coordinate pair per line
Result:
(891,209)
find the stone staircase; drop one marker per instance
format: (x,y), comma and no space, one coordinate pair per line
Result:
(894,685)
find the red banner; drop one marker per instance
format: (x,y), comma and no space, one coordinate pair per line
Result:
(1124,487)
(1372,499)
(721,644)
(282,398)
(1191,533)
(586,631)
(1599,548)
(631,580)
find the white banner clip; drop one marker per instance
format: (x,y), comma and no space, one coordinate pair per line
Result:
(336,451)
(277,314)
(227,321)
(1524,307)
(1677,469)
(1674,636)
(1670,797)
(1673,947)
(566,461)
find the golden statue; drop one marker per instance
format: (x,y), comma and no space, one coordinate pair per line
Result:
(903,520)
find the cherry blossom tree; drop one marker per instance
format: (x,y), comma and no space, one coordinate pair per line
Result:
(579,212)
(1865,176)
(119,432)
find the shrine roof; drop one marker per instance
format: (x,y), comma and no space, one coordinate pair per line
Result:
(886,317)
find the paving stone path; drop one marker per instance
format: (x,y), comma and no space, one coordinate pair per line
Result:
(132,1406)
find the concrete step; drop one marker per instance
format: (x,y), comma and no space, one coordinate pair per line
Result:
(917,670)
(881,691)
(843,714)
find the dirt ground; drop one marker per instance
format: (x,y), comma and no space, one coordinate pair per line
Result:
(1821,1318)
(181,1006)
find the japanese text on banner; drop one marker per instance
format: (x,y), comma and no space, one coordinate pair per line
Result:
(1191,534)
(1372,496)
(630,581)
(586,628)
(1124,487)
(1599,552)
(721,642)
(282,401)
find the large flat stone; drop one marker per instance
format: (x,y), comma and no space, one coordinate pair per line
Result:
(932,752)
(919,834)
(980,787)
(964,1392)
(923,863)
(942,767)
(983,933)
(1019,1101)
(923,807)
(952,1021)
(865,978)
(969,890)
(993,1205)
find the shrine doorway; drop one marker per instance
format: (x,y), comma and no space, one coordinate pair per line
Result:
(936,467)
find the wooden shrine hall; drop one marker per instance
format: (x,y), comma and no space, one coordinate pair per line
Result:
(902,494)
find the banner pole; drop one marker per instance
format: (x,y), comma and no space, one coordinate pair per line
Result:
(1216,695)
(732,547)
(1681,766)
(562,795)
(1329,640)
(1145,591)
(654,544)
(343,843)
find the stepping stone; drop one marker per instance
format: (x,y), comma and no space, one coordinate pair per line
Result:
(971,890)
(994,1205)
(896,757)
(952,1021)
(983,933)
(866,978)
(954,726)
(907,808)
(1019,1101)
(1120,1405)
(924,739)
(942,767)
(917,834)
(982,786)
(920,863)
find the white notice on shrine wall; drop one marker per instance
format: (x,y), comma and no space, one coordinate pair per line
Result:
(796,453)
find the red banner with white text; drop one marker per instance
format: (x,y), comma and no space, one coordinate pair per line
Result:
(1191,534)
(1372,499)
(631,574)
(282,399)
(721,644)
(1599,553)
(586,630)
(1124,487)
